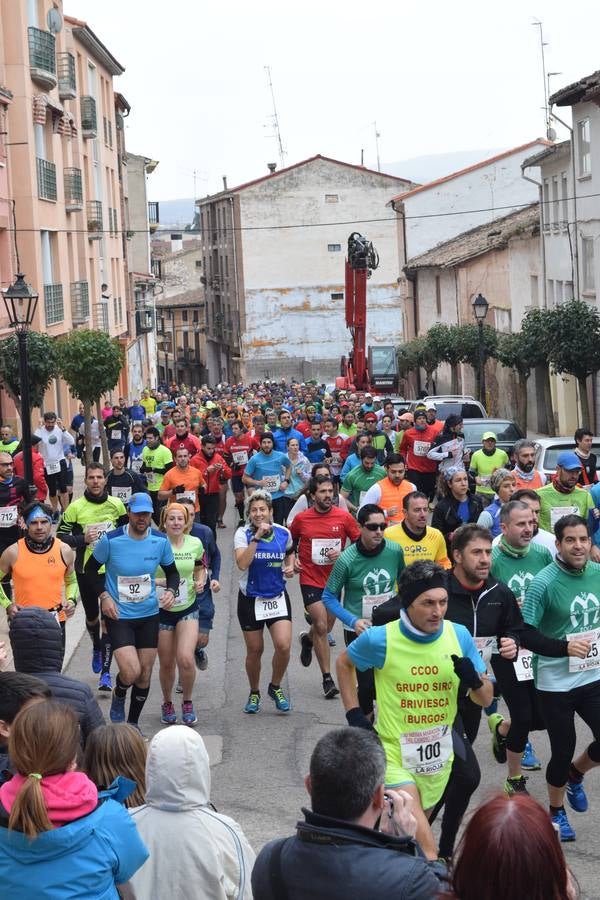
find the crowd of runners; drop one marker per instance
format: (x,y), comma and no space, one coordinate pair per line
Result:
(461,581)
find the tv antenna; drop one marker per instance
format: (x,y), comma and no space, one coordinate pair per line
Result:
(275,119)
(537,24)
(377,136)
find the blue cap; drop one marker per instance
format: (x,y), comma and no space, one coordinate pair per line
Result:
(568,459)
(140,503)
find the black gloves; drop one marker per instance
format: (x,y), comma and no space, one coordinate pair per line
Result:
(465,670)
(357,719)
(180,489)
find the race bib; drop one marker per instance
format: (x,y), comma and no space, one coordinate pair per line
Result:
(592,660)
(53,468)
(99,528)
(272,483)
(122,493)
(115,434)
(336,459)
(135,464)
(426,752)
(134,588)
(320,547)
(187,495)
(370,601)
(557,512)
(240,457)
(486,646)
(421,448)
(524,666)
(181,594)
(9,516)
(270,607)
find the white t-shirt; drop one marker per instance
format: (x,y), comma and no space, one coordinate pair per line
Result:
(51,446)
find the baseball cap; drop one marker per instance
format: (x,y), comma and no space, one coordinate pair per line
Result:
(140,503)
(369,395)
(488,436)
(568,459)
(370,417)
(430,407)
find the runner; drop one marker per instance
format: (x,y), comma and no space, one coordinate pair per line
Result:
(183,438)
(502,483)
(182,480)
(55,464)
(156,462)
(353,459)
(304,501)
(117,429)
(485,461)
(448,448)
(563,496)
(41,567)
(262,553)
(39,480)
(338,447)
(526,475)
(562,601)
(584,439)
(135,448)
(320,534)
(358,480)
(317,448)
(8,440)
(285,431)
(82,525)
(270,469)
(415,444)
(14,492)
(417,539)
(379,441)
(238,450)
(367,573)
(299,475)
(178,625)
(131,554)
(122,482)
(391,490)
(216,473)
(540,538)
(420,663)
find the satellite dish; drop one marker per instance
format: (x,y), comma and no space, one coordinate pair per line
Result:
(551,133)
(54,20)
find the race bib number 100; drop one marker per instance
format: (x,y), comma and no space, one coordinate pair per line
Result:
(426,752)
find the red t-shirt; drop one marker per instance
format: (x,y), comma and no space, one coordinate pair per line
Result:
(238,451)
(316,532)
(190,442)
(339,447)
(416,445)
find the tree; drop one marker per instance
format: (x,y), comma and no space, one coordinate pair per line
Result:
(446,340)
(42,366)
(467,339)
(512,354)
(426,355)
(90,362)
(574,338)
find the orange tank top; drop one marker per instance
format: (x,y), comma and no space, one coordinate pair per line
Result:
(39,578)
(392,496)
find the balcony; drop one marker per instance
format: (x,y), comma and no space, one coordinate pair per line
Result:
(73,190)
(42,57)
(67,85)
(144,320)
(46,179)
(156,268)
(53,303)
(80,302)
(153,217)
(89,121)
(94,220)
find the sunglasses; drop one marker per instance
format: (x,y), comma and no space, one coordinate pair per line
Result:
(375,526)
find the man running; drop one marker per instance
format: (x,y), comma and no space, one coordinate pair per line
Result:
(122,482)
(418,540)
(484,463)
(415,444)
(135,448)
(526,475)
(216,473)
(269,469)
(320,534)
(182,481)
(540,538)
(156,462)
(564,497)
(14,492)
(131,555)
(391,490)
(358,480)
(238,450)
(53,437)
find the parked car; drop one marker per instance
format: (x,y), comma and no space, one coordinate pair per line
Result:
(507,433)
(549,448)
(453,404)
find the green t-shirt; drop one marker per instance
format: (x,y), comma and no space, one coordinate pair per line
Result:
(559,602)
(358,481)
(554,504)
(483,466)
(82,514)
(362,576)
(158,458)
(517,570)
(187,557)
(10,447)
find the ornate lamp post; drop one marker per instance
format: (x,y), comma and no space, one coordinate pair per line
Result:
(480,311)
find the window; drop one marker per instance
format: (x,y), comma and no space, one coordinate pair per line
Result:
(503,320)
(438,296)
(584,148)
(564,191)
(198,263)
(184,315)
(546,205)
(587,265)
(195,315)
(337,295)
(534,290)
(334,248)
(332,198)
(555,203)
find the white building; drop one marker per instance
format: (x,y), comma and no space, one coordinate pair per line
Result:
(273,259)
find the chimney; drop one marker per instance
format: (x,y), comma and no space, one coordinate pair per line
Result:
(271,167)
(224,182)
(176,243)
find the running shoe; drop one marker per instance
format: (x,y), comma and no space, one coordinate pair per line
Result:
(117,709)
(516,785)
(201,659)
(576,796)
(498,741)
(105,682)
(96,661)
(178,688)
(281,701)
(561,823)
(530,760)
(307,649)
(329,688)
(168,716)
(188,716)
(330,639)
(253,704)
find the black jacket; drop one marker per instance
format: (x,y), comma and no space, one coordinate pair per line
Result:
(36,642)
(445,515)
(330,859)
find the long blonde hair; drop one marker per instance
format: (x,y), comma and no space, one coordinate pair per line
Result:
(113,750)
(43,740)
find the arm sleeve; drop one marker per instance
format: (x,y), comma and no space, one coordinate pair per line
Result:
(333,605)
(469,649)
(172,575)
(71,587)
(65,532)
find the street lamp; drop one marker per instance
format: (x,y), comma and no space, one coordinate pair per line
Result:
(21,302)
(480,311)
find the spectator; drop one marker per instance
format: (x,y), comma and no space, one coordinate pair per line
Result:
(56,839)
(113,750)
(338,851)
(36,642)
(16,692)
(510,849)
(179,823)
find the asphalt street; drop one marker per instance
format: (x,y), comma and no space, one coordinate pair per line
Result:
(259,762)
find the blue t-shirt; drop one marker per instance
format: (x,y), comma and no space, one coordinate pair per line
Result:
(137,413)
(264,577)
(352,462)
(281,437)
(267,465)
(463,511)
(130,568)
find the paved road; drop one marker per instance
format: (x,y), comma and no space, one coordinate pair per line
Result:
(259,762)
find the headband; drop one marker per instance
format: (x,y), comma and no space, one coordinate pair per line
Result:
(412,590)
(37,513)
(179,506)
(451,471)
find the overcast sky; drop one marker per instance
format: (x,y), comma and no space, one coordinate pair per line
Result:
(436,77)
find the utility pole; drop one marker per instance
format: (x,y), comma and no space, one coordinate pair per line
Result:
(275,117)
(377,136)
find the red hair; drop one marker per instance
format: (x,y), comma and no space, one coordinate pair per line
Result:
(509,849)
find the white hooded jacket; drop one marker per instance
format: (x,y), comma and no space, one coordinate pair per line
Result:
(194,851)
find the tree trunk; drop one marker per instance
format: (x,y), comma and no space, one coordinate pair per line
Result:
(521,401)
(103,438)
(87,414)
(544,374)
(583,400)
(454,378)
